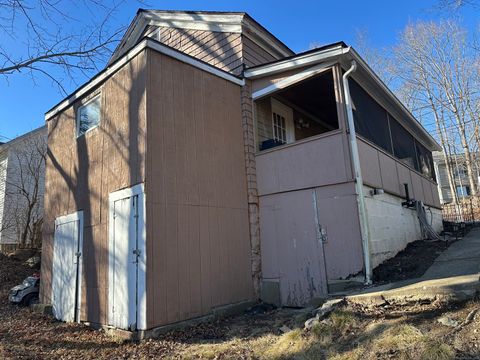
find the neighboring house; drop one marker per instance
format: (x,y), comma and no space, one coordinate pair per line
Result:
(22,176)
(208,165)
(460,176)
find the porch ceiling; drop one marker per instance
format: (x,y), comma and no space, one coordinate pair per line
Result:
(274,76)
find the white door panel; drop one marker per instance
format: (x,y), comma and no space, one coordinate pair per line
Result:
(66,270)
(127,260)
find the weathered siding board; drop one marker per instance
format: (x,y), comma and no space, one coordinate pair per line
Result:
(369,164)
(196,191)
(80,174)
(383,171)
(309,163)
(338,216)
(291,251)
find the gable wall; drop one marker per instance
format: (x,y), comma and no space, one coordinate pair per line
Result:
(223,50)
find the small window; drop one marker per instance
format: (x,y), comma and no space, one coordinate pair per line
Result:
(463,190)
(88,116)
(279,128)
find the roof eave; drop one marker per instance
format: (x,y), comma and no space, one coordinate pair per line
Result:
(433,143)
(342,54)
(295,62)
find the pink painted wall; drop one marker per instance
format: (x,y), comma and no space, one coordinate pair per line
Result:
(292,253)
(290,180)
(382,170)
(317,161)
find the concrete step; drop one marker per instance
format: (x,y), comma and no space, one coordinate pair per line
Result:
(456,288)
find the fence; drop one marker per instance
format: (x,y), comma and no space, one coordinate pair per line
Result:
(467,210)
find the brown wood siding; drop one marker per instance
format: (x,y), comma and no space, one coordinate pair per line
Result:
(80,174)
(198,249)
(223,50)
(253,54)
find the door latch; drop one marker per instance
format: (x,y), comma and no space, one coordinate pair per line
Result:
(136,253)
(323,234)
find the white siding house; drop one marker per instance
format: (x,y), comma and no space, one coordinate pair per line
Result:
(22,181)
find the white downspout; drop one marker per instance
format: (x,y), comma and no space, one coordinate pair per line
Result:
(365,233)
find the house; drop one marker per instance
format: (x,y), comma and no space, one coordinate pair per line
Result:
(209,165)
(22,175)
(459,174)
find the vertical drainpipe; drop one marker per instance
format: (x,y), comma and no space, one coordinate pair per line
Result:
(358,177)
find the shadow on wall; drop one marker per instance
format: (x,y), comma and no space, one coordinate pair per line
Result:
(215,49)
(106,159)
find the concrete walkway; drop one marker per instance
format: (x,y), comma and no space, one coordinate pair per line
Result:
(461,258)
(454,275)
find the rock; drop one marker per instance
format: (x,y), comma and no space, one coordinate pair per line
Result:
(34,261)
(328,307)
(44,309)
(310,323)
(261,308)
(445,320)
(284,329)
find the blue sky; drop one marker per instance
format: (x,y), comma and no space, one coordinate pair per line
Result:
(23,103)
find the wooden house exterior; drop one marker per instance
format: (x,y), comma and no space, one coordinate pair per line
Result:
(172,184)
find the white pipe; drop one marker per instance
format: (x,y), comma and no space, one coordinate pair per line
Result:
(365,233)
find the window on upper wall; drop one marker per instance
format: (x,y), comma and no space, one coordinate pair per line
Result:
(371,120)
(462,190)
(88,115)
(282,123)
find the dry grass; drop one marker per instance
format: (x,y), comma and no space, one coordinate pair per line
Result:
(349,333)
(398,338)
(400,341)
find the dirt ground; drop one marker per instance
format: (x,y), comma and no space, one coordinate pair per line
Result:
(410,263)
(350,332)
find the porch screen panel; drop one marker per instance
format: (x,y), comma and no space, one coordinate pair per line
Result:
(403,144)
(370,118)
(425,160)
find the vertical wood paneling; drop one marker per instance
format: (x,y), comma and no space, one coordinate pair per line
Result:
(82,172)
(198,180)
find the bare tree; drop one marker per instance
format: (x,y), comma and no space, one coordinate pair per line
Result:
(45,37)
(380,60)
(24,184)
(434,59)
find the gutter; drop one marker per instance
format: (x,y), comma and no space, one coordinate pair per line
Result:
(365,232)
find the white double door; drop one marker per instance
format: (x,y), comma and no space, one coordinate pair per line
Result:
(67,266)
(127,259)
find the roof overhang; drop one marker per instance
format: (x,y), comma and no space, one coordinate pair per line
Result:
(113,68)
(227,22)
(308,62)
(14,141)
